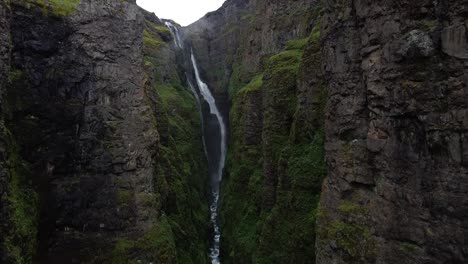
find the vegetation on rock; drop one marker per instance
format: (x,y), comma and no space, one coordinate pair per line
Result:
(178,233)
(265,218)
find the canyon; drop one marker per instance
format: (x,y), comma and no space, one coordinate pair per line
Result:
(293,131)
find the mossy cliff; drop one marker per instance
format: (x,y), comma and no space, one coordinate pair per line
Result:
(101,158)
(348,133)
(275,165)
(276,150)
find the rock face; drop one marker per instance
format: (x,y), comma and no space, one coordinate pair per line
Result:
(83,113)
(396,129)
(232,42)
(254,52)
(101,152)
(4,70)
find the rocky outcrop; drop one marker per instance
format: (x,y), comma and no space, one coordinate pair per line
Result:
(396,129)
(84,109)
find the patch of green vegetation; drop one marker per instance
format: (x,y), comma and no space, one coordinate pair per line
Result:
(409,248)
(64,7)
(156,245)
(351,234)
(348,207)
(429,25)
(353,238)
(284,233)
(254,85)
(247,16)
(56,7)
(315,35)
(296,44)
(124,197)
(151,42)
(306,164)
(162,28)
(180,178)
(289,59)
(15,75)
(22,203)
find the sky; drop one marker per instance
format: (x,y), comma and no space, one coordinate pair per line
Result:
(183,12)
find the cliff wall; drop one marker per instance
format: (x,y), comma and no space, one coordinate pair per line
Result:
(396,124)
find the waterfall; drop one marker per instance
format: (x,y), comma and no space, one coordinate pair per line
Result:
(208,97)
(206,93)
(218,157)
(175,33)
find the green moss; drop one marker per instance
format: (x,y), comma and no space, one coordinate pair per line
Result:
(157,245)
(124,197)
(22,203)
(180,171)
(289,59)
(306,164)
(353,238)
(56,7)
(315,35)
(351,234)
(284,233)
(120,253)
(161,28)
(348,207)
(15,75)
(64,7)
(296,44)
(253,85)
(151,42)
(409,248)
(429,25)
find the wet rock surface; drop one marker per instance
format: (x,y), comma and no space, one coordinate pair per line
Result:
(395,133)
(251,52)
(4,72)
(101,157)
(84,113)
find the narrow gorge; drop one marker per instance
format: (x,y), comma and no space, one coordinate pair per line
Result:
(274,131)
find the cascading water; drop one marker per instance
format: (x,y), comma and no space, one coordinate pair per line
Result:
(216,155)
(175,33)
(216,178)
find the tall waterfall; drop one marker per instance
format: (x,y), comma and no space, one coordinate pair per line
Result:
(220,156)
(208,97)
(206,93)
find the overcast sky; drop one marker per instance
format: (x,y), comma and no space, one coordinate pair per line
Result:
(183,12)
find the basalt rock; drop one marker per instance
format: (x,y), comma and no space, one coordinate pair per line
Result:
(254,51)
(82,118)
(395,133)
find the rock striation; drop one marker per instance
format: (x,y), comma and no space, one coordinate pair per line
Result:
(253,53)
(396,128)
(91,172)
(348,127)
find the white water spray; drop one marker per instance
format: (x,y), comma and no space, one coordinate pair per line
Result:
(208,97)
(206,93)
(175,33)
